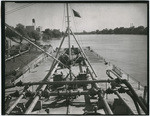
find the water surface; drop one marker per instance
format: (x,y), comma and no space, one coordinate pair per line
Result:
(129,52)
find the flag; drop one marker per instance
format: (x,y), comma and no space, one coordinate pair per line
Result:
(33,20)
(76,14)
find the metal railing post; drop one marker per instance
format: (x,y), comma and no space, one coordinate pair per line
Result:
(145,93)
(106,93)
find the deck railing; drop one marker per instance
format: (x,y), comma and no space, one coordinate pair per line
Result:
(139,84)
(121,72)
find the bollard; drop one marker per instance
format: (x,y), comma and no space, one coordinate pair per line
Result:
(138,85)
(128,77)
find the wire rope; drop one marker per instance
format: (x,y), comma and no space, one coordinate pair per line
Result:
(15,8)
(63,19)
(18,8)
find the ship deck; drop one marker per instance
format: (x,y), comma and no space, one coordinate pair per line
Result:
(37,73)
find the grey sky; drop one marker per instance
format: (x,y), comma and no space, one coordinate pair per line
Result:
(93,15)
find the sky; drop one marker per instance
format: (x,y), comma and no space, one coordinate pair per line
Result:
(93,15)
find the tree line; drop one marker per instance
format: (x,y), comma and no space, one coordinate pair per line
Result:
(47,34)
(119,30)
(20,28)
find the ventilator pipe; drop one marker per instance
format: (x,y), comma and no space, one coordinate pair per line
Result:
(135,102)
(137,107)
(144,108)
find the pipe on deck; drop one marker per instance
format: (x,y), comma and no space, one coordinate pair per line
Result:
(40,88)
(71,93)
(144,108)
(68,82)
(16,55)
(106,106)
(116,92)
(32,105)
(15,103)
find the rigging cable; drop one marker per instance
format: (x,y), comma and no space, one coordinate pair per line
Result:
(18,8)
(63,19)
(15,8)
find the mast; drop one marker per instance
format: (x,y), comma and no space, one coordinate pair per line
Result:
(68,23)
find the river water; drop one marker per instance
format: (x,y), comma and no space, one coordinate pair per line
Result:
(128,52)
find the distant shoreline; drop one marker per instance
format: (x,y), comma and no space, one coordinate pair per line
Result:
(105,34)
(140,30)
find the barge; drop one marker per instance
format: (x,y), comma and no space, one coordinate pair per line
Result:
(74,80)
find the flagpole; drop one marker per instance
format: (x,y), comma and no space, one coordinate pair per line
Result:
(68,22)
